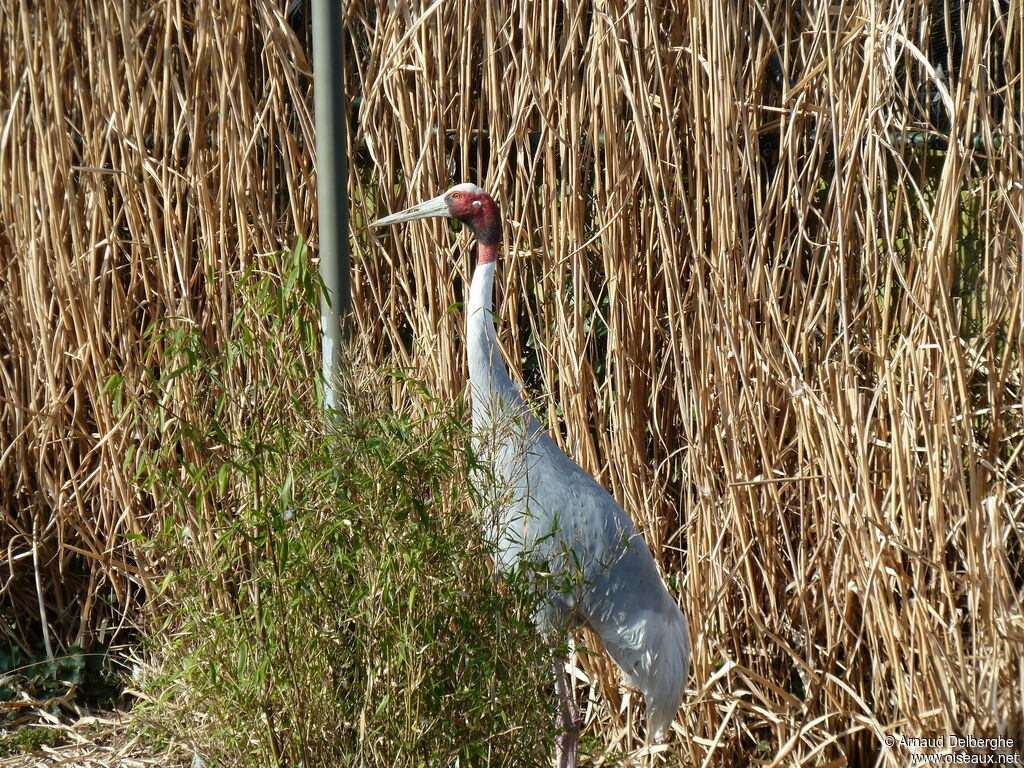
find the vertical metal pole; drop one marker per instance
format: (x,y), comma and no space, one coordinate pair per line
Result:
(331,184)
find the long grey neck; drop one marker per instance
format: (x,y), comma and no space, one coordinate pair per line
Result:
(491,387)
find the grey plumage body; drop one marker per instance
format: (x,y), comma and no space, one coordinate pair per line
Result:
(539,505)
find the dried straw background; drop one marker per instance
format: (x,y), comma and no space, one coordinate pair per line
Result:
(786,335)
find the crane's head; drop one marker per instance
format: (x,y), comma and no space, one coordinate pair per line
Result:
(465,202)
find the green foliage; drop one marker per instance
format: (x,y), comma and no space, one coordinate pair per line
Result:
(29,740)
(87,677)
(327,598)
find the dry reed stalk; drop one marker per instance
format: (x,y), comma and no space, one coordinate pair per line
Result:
(143,150)
(786,335)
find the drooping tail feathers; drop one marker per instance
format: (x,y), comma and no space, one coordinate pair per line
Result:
(654,655)
(666,683)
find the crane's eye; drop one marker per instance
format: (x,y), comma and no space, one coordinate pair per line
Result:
(456,195)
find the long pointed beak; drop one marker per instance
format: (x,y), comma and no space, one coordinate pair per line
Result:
(437,206)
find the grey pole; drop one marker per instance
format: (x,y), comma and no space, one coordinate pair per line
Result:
(331,184)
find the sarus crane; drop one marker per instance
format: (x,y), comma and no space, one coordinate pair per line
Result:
(545,509)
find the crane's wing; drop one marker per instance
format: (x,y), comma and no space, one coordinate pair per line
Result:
(558,515)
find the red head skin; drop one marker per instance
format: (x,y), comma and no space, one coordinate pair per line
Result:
(479,212)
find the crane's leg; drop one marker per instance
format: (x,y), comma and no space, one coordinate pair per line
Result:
(569,720)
